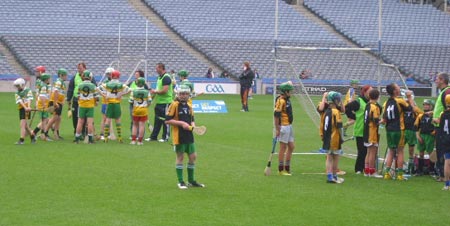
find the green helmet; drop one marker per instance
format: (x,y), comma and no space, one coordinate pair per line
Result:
(429,101)
(87,74)
(287,86)
(183,73)
(140,82)
(45,76)
(334,97)
(62,71)
(354,81)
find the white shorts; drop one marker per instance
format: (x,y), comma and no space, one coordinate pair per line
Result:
(286,134)
(333,152)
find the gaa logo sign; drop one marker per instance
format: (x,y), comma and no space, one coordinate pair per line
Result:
(214,88)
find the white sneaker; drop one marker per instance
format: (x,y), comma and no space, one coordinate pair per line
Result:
(445,188)
(376,175)
(102,137)
(182,186)
(140,143)
(133,142)
(162,140)
(340,180)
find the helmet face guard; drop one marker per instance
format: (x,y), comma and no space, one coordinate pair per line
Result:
(62,72)
(183,92)
(335,98)
(140,82)
(429,102)
(19,83)
(45,77)
(87,75)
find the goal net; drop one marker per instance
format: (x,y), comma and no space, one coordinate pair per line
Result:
(315,71)
(128,65)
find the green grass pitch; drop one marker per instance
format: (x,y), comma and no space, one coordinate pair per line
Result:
(60,183)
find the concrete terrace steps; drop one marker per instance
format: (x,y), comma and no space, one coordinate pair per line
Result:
(13,61)
(156,20)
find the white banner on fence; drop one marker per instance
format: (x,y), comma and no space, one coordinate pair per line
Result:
(216,88)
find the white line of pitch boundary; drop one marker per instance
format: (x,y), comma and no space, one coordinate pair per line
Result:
(319,153)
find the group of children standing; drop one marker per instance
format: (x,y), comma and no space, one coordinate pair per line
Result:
(405,123)
(50,100)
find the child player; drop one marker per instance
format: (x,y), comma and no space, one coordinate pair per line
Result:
(57,98)
(410,117)
(140,100)
(393,117)
(283,119)
(114,92)
(444,122)
(371,136)
(108,72)
(425,134)
(23,96)
(181,117)
(332,135)
(43,97)
(183,74)
(87,100)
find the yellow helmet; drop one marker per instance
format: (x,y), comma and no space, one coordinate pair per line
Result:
(447,100)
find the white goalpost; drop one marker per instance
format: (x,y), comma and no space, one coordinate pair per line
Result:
(126,64)
(331,69)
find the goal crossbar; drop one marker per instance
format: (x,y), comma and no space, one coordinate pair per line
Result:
(325,48)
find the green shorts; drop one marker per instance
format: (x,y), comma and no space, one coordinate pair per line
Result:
(44,114)
(85,112)
(113,111)
(410,137)
(395,139)
(428,143)
(187,148)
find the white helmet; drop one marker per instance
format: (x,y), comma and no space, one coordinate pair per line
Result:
(183,89)
(19,82)
(109,70)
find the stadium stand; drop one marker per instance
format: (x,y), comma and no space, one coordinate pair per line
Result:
(238,32)
(7,73)
(415,37)
(64,33)
(60,34)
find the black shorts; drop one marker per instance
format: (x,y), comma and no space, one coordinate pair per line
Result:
(59,110)
(440,146)
(23,114)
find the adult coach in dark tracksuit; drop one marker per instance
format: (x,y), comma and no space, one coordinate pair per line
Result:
(355,110)
(72,94)
(163,97)
(246,79)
